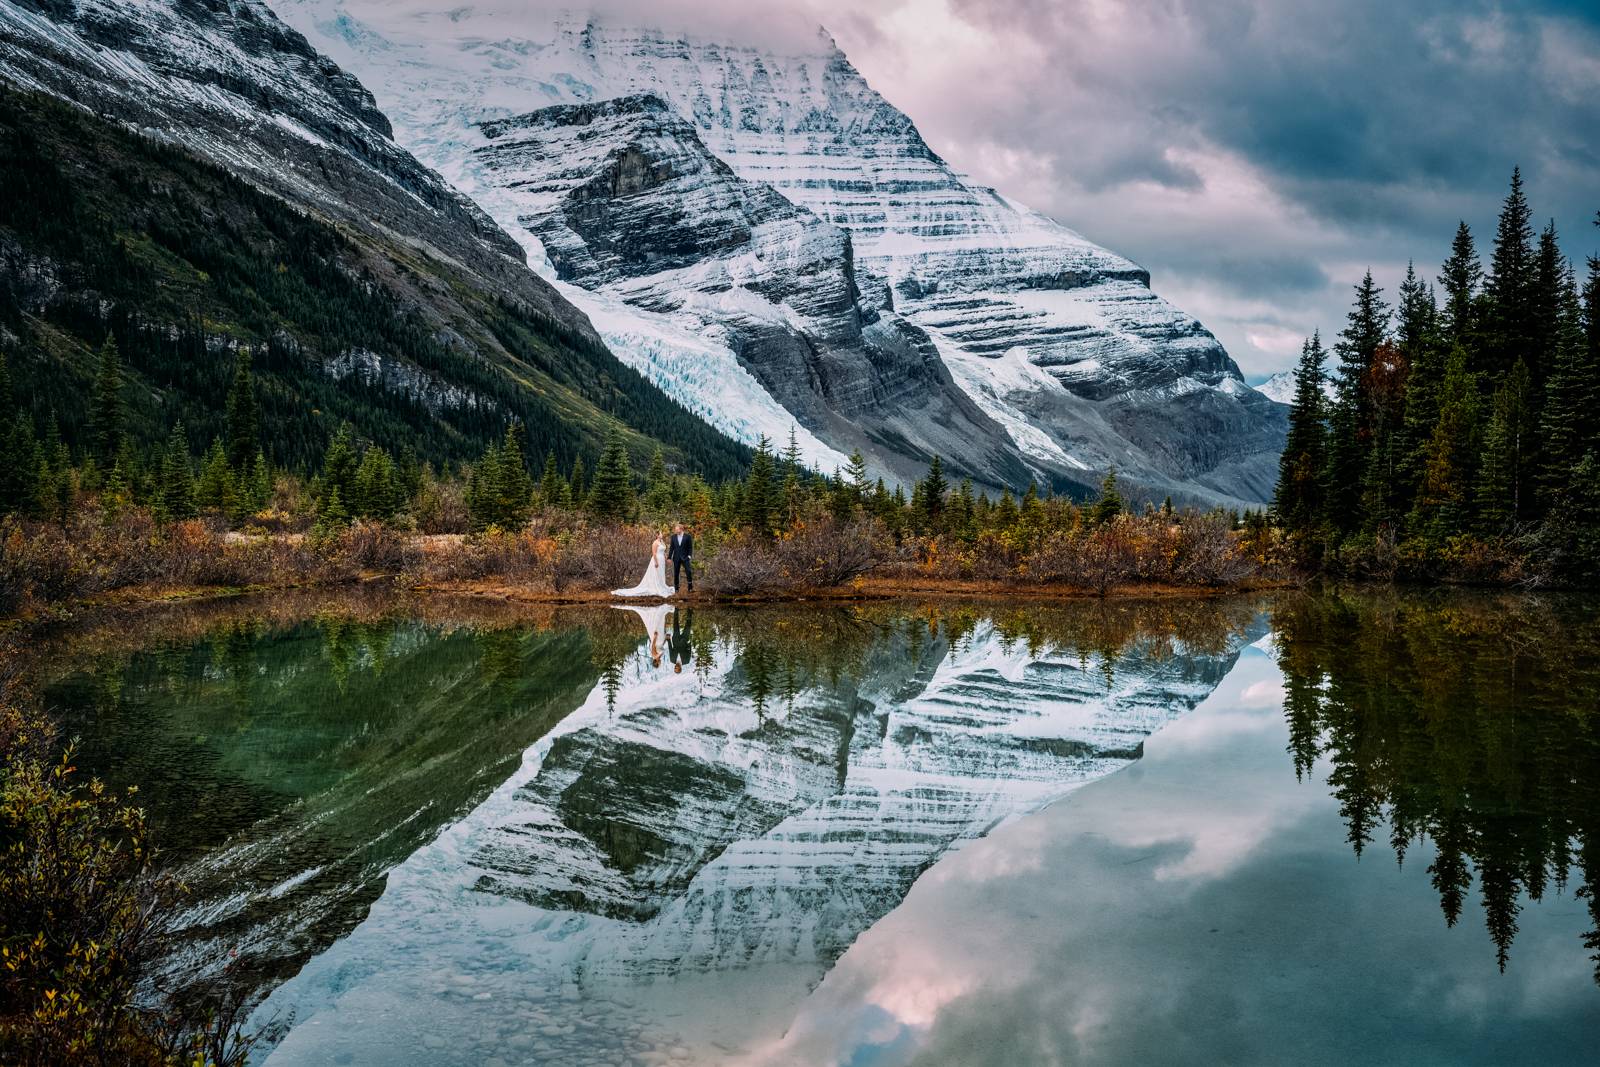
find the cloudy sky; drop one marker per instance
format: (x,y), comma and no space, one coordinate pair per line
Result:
(1256,155)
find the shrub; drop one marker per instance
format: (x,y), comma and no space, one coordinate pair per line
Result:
(744,564)
(824,552)
(608,557)
(81,914)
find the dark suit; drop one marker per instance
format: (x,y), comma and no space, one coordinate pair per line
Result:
(680,550)
(678,645)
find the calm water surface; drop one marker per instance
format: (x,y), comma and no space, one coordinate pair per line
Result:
(1314,828)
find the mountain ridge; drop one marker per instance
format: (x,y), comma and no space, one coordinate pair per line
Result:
(176,95)
(1128,381)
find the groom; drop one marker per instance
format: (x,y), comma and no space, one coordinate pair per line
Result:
(679,552)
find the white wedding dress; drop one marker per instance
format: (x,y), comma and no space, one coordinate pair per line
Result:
(654,582)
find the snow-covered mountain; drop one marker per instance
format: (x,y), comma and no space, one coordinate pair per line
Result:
(1280,387)
(673,826)
(1060,342)
(627,202)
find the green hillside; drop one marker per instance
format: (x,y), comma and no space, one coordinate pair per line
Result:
(105,231)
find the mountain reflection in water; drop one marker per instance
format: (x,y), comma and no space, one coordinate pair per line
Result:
(435,833)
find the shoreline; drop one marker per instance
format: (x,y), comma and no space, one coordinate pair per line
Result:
(863,590)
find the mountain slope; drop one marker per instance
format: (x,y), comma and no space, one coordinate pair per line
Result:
(1061,342)
(370,289)
(627,202)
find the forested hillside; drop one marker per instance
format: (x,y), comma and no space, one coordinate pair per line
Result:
(104,232)
(1463,438)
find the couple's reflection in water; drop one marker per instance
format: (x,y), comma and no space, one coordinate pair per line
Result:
(669,641)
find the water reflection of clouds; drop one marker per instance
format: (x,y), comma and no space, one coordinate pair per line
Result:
(1206,909)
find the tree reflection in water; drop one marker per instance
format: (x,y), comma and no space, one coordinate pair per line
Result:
(1471,721)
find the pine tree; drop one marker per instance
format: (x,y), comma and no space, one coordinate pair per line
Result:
(963,511)
(374,492)
(510,483)
(1109,504)
(1300,496)
(1004,516)
(658,488)
(552,487)
(1509,291)
(244,419)
(1497,479)
(260,482)
(116,496)
(855,473)
(791,454)
(176,497)
(760,490)
(339,463)
(612,498)
(1366,328)
(217,489)
(1570,422)
(1444,499)
(106,414)
(1418,337)
(933,487)
(332,516)
(578,484)
(1460,277)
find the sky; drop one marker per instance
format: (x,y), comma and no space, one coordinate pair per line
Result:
(1256,155)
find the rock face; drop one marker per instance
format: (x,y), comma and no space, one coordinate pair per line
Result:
(626,200)
(675,827)
(1060,342)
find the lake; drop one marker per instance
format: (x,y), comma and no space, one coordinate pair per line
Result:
(1311,827)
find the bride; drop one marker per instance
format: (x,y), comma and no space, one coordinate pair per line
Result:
(654,582)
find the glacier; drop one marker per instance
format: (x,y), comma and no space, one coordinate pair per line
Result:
(1145,387)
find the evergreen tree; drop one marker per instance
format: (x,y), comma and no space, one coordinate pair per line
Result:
(791,455)
(1570,423)
(1497,479)
(260,482)
(760,491)
(855,472)
(1351,425)
(933,487)
(106,414)
(1300,496)
(1460,277)
(1443,500)
(1109,504)
(176,497)
(552,487)
(578,484)
(339,463)
(963,512)
(1418,336)
(244,418)
(332,516)
(612,498)
(217,490)
(1004,515)
(116,496)
(374,491)
(1510,289)
(658,487)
